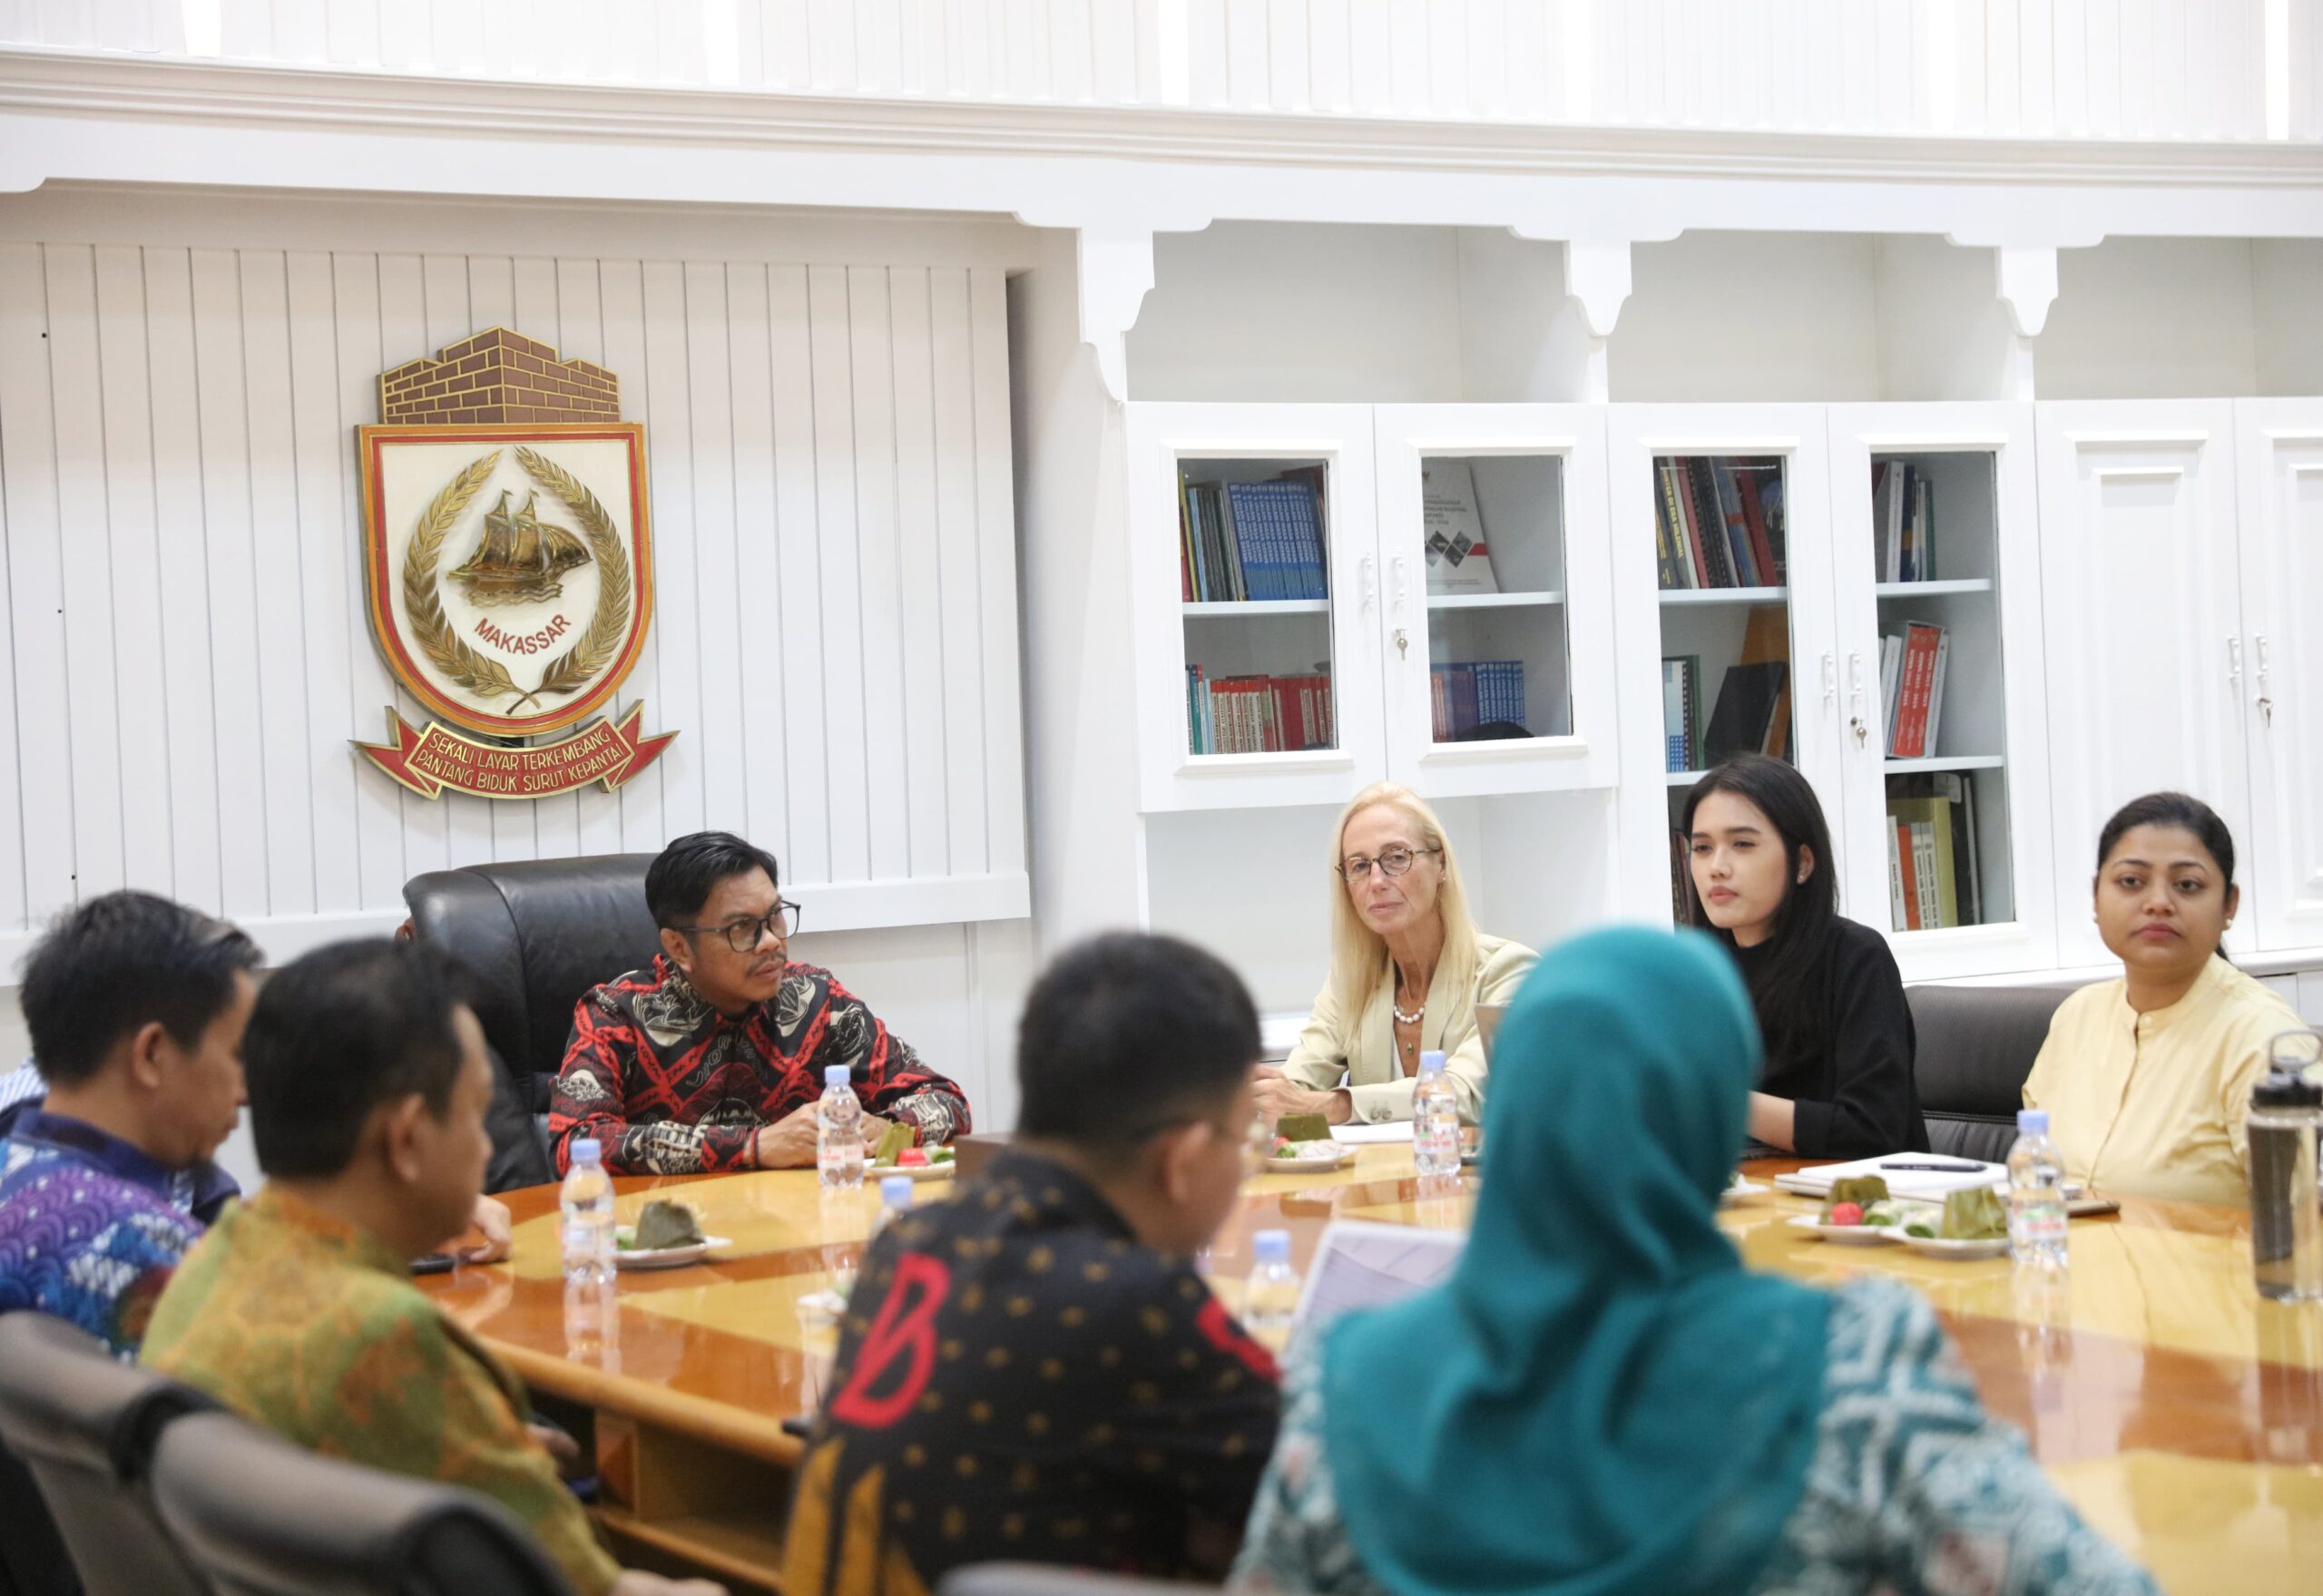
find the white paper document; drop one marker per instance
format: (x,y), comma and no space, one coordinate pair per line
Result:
(1360,1263)
(1389,1131)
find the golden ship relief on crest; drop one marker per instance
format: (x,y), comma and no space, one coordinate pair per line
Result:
(508,562)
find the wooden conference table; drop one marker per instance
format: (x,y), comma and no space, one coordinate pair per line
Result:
(2181,1414)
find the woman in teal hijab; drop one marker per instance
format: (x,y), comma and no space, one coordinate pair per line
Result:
(1602,1401)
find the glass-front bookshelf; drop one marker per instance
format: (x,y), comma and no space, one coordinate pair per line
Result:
(1723,571)
(1942,663)
(1255,596)
(1499,651)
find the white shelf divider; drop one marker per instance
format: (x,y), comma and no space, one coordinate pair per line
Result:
(1944,763)
(1494,601)
(1928,590)
(1724,595)
(1683,778)
(1255,607)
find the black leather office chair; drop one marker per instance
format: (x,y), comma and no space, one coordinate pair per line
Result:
(1037,1578)
(85,1426)
(260,1517)
(1976,1046)
(534,935)
(33,1559)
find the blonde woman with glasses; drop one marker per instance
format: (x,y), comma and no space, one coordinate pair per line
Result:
(1408,968)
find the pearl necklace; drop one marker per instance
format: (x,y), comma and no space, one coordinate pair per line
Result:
(1404,1019)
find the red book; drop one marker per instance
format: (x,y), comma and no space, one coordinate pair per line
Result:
(1290,726)
(1911,875)
(1920,642)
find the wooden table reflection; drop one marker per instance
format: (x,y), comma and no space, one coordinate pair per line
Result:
(2182,1413)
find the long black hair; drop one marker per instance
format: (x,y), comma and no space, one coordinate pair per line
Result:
(1786,980)
(2185,813)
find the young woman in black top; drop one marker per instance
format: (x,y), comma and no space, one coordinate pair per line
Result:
(1839,1074)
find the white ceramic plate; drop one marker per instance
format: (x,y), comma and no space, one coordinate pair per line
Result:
(1310,1166)
(664,1258)
(1937,1247)
(1845,1235)
(1742,1188)
(875,1173)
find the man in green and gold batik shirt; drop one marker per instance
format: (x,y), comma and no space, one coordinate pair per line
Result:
(367,1081)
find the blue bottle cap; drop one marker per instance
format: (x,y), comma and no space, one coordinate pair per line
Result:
(1430,1062)
(588,1150)
(894,1190)
(834,1075)
(2031,1122)
(1271,1247)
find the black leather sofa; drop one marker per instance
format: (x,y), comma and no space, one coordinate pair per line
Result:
(534,935)
(1975,1045)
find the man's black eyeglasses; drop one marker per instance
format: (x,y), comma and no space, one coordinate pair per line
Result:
(744,936)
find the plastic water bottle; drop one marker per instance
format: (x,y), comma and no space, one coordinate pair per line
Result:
(895,1202)
(1435,1119)
(838,1132)
(1270,1300)
(2036,1194)
(586,1206)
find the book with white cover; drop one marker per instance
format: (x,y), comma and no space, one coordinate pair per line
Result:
(1452,529)
(1972,1173)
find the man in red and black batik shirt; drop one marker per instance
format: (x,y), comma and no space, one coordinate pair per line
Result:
(1034,1371)
(713,1058)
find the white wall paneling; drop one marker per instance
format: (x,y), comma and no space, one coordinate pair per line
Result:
(2184,69)
(835,632)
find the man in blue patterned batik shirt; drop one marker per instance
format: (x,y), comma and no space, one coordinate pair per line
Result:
(136,1007)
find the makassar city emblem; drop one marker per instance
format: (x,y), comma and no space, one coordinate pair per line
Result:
(508,562)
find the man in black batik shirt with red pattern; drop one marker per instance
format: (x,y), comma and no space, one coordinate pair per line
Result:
(713,1058)
(1033,1371)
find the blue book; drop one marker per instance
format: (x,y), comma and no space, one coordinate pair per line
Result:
(1307,537)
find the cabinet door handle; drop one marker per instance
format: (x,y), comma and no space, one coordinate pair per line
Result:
(2234,663)
(1830,681)
(2266,704)
(1855,696)
(1403,584)
(1371,585)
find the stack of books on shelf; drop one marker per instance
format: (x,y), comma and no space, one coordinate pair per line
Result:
(1472,693)
(1239,541)
(1903,518)
(1911,681)
(1718,521)
(1681,712)
(1257,714)
(1933,878)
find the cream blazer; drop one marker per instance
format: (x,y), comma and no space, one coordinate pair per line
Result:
(1362,1047)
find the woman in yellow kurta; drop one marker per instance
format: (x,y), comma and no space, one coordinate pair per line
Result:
(2147,1079)
(1408,968)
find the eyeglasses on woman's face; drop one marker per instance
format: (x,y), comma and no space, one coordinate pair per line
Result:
(1392,861)
(744,936)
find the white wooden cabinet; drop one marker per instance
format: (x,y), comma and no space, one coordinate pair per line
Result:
(1341,632)
(1538,474)
(1983,587)
(1380,629)
(2147,660)
(2279,483)
(1714,624)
